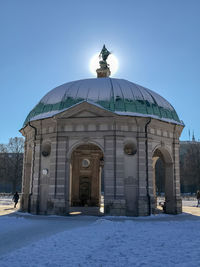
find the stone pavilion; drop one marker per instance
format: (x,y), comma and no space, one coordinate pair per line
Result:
(91,145)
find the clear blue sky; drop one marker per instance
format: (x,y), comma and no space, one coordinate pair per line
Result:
(45,43)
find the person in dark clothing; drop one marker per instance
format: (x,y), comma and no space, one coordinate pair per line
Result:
(198,198)
(15,199)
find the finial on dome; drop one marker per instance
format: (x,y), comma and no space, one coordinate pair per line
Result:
(104,70)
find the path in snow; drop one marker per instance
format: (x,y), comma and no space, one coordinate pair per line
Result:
(6,205)
(161,240)
(19,231)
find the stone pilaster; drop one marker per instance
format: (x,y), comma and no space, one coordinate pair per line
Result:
(114,199)
(177,195)
(143,200)
(36,178)
(58,184)
(24,166)
(120,167)
(109,167)
(61,206)
(23,200)
(53,170)
(151,178)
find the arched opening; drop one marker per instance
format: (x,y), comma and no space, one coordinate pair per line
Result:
(86,180)
(160,177)
(163,181)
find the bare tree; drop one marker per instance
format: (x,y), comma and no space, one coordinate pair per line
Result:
(11,162)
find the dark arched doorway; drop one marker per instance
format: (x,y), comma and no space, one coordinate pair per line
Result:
(85,179)
(163,180)
(160,177)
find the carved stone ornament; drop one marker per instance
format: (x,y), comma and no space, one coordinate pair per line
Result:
(85,163)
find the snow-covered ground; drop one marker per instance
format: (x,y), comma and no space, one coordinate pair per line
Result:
(161,240)
(189,203)
(5,200)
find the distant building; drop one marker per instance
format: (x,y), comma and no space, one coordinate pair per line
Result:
(190,166)
(93,129)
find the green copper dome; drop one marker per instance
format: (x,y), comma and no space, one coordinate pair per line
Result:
(116,95)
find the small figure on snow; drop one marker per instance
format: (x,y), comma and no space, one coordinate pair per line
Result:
(15,199)
(198,198)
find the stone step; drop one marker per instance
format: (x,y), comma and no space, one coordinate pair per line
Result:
(94,211)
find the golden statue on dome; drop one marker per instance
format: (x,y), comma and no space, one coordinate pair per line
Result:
(104,70)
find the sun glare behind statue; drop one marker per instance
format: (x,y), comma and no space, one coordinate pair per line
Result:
(112,61)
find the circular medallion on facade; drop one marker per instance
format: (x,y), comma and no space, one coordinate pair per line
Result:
(85,163)
(45,171)
(46,149)
(130,149)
